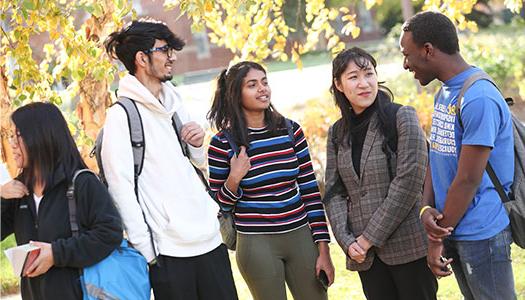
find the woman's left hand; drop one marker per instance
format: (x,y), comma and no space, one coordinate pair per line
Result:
(324,262)
(43,262)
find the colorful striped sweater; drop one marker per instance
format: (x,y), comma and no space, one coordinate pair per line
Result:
(279,193)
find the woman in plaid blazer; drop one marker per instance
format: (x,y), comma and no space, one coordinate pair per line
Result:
(372,202)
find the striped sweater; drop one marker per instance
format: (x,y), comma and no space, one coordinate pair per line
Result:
(279,193)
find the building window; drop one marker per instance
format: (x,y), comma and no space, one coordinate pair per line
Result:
(203,45)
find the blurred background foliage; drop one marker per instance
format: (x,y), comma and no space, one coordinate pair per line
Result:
(75,68)
(497,49)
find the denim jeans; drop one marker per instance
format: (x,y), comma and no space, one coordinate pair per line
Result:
(483,268)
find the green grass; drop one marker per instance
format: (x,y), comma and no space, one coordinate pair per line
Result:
(8,282)
(346,285)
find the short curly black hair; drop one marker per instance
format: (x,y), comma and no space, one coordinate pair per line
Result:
(434,28)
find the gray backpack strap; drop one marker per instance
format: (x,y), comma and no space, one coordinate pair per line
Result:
(466,85)
(72,204)
(138,147)
(136,132)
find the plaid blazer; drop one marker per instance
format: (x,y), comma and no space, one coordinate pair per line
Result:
(386,213)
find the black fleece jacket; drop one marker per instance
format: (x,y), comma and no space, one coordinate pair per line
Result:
(100,234)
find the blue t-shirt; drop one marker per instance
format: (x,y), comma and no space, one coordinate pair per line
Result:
(487,122)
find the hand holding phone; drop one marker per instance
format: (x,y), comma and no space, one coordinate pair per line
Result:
(444,260)
(323,279)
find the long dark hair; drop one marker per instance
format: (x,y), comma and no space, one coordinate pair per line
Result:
(48,141)
(383,99)
(226,110)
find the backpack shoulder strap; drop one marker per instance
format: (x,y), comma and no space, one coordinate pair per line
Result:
(391,125)
(138,146)
(466,85)
(335,139)
(289,127)
(231,141)
(136,132)
(72,203)
(490,170)
(389,145)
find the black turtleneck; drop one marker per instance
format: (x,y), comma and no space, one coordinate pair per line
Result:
(358,128)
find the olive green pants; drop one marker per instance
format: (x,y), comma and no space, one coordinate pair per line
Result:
(266,261)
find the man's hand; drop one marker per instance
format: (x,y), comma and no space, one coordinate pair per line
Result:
(193,134)
(14,189)
(435,233)
(436,262)
(43,262)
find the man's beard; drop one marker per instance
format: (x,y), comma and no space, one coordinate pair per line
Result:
(166,78)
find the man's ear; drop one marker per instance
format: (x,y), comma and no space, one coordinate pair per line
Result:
(140,59)
(429,50)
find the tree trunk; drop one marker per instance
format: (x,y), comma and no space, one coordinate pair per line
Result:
(91,110)
(5,124)
(94,95)
(407,9)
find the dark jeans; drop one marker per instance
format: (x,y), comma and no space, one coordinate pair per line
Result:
(483,268)
(203,277)
(410,281)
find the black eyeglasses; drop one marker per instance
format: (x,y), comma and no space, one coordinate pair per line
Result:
(166,49)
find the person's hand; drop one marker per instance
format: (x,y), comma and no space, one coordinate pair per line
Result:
(239,165)
(14,189)
(324,262)
(356,253)
(435,233)
(193,134)
(43,262)
(364,243)
(439,265)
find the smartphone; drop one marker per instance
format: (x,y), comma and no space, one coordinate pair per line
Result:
(444,260)
(323,279)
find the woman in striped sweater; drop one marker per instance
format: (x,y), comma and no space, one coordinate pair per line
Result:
(270,185)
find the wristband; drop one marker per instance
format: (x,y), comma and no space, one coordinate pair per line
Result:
(423,210)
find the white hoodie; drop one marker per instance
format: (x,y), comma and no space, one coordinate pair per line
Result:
(179,211)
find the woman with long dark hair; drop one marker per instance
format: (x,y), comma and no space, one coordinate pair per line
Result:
(35,206)
(282,235)
(376,161)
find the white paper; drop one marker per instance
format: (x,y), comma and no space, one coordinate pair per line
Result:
(17,256)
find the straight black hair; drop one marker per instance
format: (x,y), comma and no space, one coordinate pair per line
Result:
(383,99)
(139,36)
(48,141)
(226,111)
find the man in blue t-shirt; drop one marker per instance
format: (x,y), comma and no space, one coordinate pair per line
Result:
(462,213)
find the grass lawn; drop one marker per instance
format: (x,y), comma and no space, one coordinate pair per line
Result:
(346,285)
